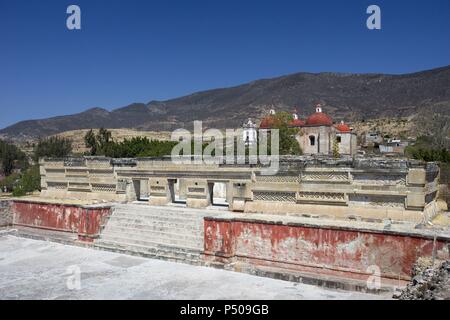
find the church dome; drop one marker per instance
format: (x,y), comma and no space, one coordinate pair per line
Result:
(342,127)
(319,118)
(297,123)
(267,122)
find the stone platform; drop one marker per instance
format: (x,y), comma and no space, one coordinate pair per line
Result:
(169,233)
(31,269)
(337,253)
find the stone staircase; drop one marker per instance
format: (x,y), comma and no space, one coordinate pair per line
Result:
(169,233)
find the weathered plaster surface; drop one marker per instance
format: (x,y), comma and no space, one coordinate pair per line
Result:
(6,217)
(319,248)
(84,220)
(31,269)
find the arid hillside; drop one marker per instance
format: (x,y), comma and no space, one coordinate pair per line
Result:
(349,97)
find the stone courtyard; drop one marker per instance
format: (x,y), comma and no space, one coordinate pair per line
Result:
(32,269)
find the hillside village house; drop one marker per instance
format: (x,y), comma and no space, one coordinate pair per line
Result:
(318,133)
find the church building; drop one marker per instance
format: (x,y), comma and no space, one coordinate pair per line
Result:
(318,134)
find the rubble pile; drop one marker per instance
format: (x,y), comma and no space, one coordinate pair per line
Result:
(429,282)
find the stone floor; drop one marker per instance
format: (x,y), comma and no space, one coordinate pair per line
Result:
(32,269)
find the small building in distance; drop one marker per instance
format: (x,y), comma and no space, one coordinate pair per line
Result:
(249,133)
(318,134)
(372,139)
(394,146)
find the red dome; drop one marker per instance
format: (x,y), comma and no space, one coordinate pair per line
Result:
(297,123)
(319,119)
(267,122)
(342,127)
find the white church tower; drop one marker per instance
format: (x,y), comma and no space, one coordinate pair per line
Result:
(249,134)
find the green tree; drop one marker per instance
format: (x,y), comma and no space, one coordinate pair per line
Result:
(424,149)
(8,158)
(102,144)
(11,158)
(104,139)
(140,147)
(90,141)
(54,147)
(288,143)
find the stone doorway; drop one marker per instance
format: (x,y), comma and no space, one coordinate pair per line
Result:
(141,189)
(218,193)
(177,191)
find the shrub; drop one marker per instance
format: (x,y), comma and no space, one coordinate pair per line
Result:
(29,181)
(10,182)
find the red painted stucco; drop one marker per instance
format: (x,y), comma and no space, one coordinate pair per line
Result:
(325,250)
(310,249)
(90,222)
(60,217)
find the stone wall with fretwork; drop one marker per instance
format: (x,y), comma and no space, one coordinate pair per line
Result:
(358,188)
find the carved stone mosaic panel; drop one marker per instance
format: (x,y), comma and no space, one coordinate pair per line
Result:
(103,187)
(321,196)
(278,179)
(325,176)
(274,196)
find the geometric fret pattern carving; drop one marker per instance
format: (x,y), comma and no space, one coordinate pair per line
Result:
(278,179)
(325,176)
(274,196)
(103,187)
(322,196)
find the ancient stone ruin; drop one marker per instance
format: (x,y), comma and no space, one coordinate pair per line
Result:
(319,220)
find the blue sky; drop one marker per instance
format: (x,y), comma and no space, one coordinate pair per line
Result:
(137,51)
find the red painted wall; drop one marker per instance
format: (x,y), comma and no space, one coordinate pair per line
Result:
(90,223)
(84,221)
(310,249)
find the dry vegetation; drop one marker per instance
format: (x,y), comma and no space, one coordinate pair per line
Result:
(77,137)
(399,128)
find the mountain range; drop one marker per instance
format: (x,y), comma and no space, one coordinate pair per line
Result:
(349,97)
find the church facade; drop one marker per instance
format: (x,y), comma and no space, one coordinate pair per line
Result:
(318,134)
